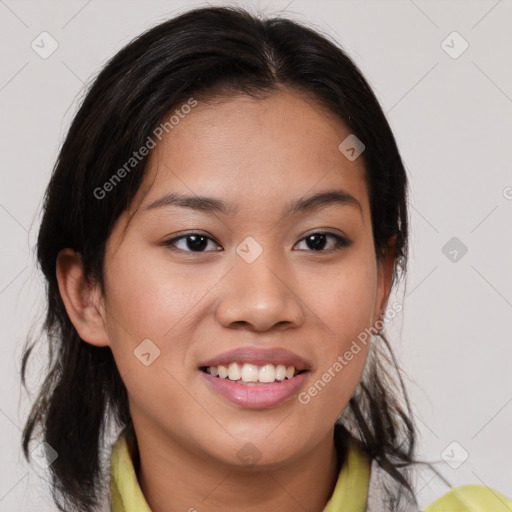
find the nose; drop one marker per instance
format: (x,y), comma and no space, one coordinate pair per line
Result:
(259,296)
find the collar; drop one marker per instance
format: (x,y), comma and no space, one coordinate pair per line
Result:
(350,493)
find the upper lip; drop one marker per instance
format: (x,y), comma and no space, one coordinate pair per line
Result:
(258,357)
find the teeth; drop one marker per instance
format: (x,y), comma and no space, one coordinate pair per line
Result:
(222,370)
(280,372)
(267,373)
(250,373)
(233,372)
(245,373)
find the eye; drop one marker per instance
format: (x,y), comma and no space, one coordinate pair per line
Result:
(191,242)
(318,241)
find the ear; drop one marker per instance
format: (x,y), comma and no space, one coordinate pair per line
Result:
(385,277)
(83,300)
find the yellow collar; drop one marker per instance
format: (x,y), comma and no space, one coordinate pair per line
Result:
(350,493)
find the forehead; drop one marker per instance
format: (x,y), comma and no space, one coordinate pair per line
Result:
(244,149)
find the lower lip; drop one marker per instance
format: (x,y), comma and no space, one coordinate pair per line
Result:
(257,396)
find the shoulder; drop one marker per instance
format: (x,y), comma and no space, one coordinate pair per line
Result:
(471,498)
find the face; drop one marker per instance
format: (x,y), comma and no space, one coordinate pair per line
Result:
(260,281)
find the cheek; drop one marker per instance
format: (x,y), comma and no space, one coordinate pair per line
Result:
(345,309)
(148,310)
(148,298)
(345,300)
(147,301)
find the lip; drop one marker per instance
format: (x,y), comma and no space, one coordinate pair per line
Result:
(256,396)
(259,357)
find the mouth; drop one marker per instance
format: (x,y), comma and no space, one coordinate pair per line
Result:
(256,378)
(249,374)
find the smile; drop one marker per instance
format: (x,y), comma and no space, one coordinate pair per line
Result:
(246,373)
(254,377)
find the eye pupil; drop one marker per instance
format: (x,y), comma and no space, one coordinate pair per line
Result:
(314,242)
(198,242)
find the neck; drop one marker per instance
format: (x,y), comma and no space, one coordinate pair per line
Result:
(174,479)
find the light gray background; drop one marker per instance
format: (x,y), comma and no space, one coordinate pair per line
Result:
(453,125)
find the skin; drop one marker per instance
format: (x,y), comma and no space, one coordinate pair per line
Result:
(256,154)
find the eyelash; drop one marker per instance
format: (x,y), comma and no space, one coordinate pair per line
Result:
(341,242)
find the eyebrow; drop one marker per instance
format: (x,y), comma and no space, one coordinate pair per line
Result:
(213,205)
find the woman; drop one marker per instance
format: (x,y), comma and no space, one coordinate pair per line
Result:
(220,237)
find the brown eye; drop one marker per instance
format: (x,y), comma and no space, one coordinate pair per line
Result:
(191,242)
(319,241)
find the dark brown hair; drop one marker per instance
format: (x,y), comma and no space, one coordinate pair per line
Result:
(202,53)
